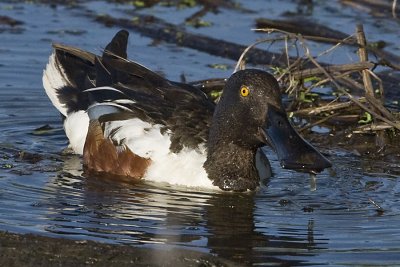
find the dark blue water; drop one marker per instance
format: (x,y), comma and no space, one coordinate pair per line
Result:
(284,222)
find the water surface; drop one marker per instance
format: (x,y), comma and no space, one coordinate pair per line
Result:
(283,223)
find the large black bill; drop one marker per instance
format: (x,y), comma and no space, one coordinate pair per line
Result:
(293,151)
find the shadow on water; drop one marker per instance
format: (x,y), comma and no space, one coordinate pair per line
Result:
(283,223)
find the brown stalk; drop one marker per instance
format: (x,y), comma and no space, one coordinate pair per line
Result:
(363,54)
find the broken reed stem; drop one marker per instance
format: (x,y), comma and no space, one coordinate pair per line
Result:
(372,127)
(350,83)
(394,9)
(379,107)
(339,43)
(379,80)
(326,108)
(289,69)
(369,90)
(287,55)
(333,68)
(292,80)
(363,54)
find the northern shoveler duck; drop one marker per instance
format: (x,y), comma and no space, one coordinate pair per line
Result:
(129,121)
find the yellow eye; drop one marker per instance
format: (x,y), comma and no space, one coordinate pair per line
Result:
(244,91)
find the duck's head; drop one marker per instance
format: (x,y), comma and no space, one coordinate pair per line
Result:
(250,115)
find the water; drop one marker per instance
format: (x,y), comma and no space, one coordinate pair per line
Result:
(353,218)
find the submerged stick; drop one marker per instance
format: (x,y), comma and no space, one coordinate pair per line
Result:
(313,182)
(379,209)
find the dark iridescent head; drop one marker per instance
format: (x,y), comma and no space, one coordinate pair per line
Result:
(250,115)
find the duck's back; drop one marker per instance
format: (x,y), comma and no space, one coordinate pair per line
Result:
(127,120)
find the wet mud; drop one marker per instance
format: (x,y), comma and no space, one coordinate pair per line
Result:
(32,250)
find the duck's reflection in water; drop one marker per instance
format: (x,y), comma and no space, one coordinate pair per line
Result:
(233,235)
(169,217)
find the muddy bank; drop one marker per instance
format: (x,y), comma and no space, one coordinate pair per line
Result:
(33,250)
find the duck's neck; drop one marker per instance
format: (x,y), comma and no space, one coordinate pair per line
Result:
(230,162)
(232,167)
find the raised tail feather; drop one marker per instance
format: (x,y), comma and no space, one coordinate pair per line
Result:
(70,71)
(67,75)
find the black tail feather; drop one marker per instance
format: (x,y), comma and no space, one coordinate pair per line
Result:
(118,45)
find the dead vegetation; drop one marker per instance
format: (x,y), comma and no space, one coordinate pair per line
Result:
(355,101)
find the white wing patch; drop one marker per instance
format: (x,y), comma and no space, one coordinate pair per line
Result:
(76,127)
(54,78)
(146,140)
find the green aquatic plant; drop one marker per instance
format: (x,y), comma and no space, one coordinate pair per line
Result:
(218,66)
(278,71)
(197,23)
(8,166)
(307,97)
(366,118)
(139,4)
